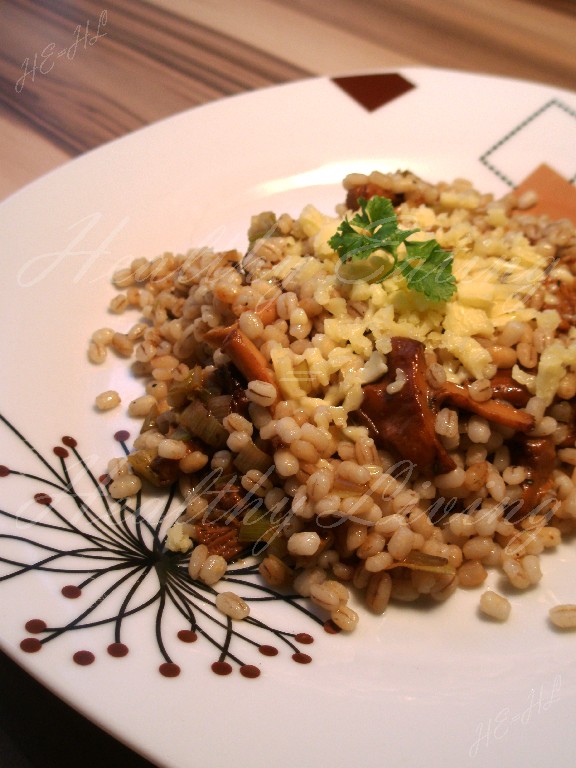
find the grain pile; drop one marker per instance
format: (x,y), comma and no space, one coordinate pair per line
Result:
(360,435)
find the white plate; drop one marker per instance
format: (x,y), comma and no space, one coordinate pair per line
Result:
(436,687)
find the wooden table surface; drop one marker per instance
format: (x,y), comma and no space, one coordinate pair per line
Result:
(77,73)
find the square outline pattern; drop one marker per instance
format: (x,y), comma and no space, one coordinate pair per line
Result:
(514,132)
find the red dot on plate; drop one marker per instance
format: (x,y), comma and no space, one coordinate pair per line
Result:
(250,671)
(71,442)
(84,658)
(121,436)
(42,498)
(331,628)
(62,453)
(268,650)
(4,471)
(71,591)
(117,650)
(221,668)
(302,658)
(35,626)
(187,636)
(30,645)
(304,638)
(168,669)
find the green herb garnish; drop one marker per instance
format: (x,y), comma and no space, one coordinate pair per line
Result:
(426,267)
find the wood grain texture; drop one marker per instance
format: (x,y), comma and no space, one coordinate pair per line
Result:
(147,64)
(312,40)
(518,38)
(65,89)
(18,166)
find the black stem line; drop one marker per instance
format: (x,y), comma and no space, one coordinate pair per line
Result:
(137,517)
(283,636)
(126,546)
(125,514)
(123,536)
(218,645)
(126,536)
(103,538)
(190,587)
(137,512)
(227,639)
(56,631)
(163,515)
(123,608)
(139,520)
(39,565)
(291,600)
(187,589)
(29,445)
(66,528)
(227,627)
(66,485)
(61,486)
(158,626)
(76,623)
(105,571)
(92,477)
(184,607)
(106,551)
(109,533)
(39,524)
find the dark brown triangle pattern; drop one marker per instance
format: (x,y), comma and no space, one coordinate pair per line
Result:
(373,91)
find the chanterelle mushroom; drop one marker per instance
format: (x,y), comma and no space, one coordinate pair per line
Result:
(538,455)
(403,421)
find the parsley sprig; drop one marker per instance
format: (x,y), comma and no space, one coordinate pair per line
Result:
(426,267)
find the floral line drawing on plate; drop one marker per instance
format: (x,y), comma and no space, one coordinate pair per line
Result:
(122,547)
